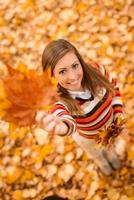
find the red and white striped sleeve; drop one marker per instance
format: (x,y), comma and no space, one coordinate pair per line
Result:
(61,111)
(117,102)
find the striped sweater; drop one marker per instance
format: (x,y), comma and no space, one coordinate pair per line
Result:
(98,111)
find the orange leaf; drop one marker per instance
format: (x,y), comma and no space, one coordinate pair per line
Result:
(28,92)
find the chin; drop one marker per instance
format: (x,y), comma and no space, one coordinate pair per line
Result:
(75,89)
(72,88)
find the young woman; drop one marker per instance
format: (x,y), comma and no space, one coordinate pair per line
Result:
(89,101)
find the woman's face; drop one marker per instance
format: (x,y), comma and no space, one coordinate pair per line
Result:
(68,72)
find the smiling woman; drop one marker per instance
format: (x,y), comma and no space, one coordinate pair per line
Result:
(68,71)
(89,102)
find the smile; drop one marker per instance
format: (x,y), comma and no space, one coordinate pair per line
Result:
(74,83)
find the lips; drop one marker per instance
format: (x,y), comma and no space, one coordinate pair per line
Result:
(74,83)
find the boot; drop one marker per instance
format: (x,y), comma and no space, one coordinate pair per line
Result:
(105,168)
(113,159)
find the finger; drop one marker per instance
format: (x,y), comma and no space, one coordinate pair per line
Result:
(47,119)
(40,115)
(57,129)
(50,127)
(57,120)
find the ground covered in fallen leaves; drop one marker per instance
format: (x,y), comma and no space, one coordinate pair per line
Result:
(30,166)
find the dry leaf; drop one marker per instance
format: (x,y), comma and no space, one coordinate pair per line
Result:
(27,93)
(66,172)
(17,195)
(108,135)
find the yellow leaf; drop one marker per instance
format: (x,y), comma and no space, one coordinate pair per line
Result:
(28,4)
(131,155)
(4,104)
(113,194)
(22,67)
(2,91)
(85,157)
(63,31)
(58,180)
(2,21)
(15,132)
(1,143)
(102,182)
(96,11)
(2,113)
(44,151)
(17,195)
(119,120)
(17,152)
(12,127)
(119,62)
(131,46)
(23,132)
(27,175)
(73,36)
(106,20)
(123,171)
(18,21)
(53,79)
(102,50)
(81,7)
(13,135)
(2,135)
(14,175)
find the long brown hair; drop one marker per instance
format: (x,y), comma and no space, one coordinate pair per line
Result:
(92,77)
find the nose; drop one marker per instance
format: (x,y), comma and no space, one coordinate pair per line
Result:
(72,75)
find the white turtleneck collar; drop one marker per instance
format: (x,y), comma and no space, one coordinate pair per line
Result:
(86,94)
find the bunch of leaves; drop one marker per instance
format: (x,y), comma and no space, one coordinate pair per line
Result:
(24,93)
(108,135)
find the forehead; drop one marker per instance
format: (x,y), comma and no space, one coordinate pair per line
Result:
(67,60)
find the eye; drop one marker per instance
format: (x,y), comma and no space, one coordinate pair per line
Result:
(75,66)
(62,72)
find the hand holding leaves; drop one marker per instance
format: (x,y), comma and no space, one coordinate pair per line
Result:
(108,135)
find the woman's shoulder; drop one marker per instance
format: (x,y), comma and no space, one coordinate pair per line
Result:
(99,66)
(96,64)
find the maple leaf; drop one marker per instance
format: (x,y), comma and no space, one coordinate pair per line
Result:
(108,135)
(27,92)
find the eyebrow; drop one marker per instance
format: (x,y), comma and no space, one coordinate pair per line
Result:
(66,67)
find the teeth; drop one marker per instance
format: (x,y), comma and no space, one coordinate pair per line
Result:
(74,82)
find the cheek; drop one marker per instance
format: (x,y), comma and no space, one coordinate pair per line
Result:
(80,72)
(60,80)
